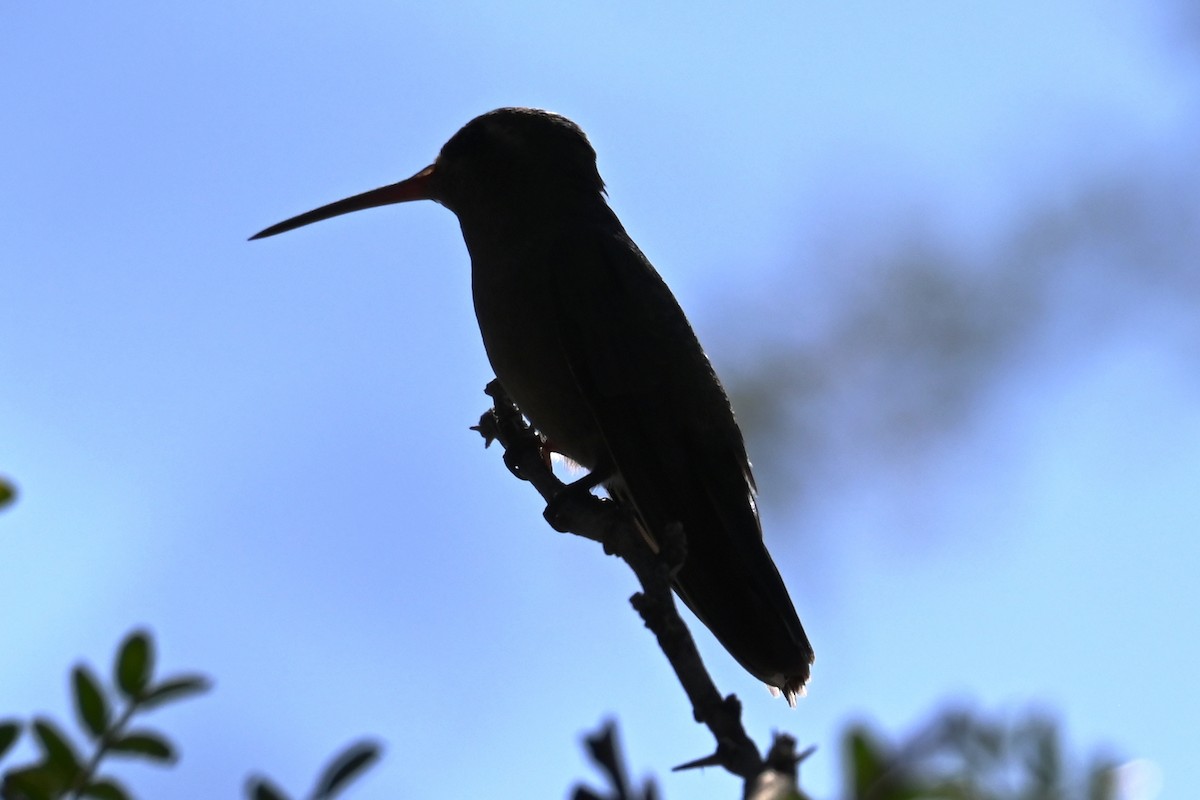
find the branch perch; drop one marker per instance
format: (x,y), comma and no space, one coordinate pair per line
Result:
(583,514)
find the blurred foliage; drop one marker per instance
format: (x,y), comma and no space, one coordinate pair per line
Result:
(341,771)
(605,752)
(887,346)
(8,492)
(104,715)
(957,755)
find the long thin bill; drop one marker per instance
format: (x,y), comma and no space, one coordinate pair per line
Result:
(414,188)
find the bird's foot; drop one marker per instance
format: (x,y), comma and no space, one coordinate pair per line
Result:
(557,510)
(505,424)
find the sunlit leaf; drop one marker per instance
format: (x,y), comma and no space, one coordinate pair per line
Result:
(175,689)
(153,746)
(135,663)
(353,761)
(90,705)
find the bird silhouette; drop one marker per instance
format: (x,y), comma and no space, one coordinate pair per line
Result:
(587,339)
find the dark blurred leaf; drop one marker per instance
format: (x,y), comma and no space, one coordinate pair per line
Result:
(8,492)
(175,689)
(135,663)
(875,771)
(153,746)
(106,789)
(1046,758)
(39,782)
(60,756)
(10,729)
(345,768)
(263,789)
(866,760)
(90,705)
(1102,784)
(605,750)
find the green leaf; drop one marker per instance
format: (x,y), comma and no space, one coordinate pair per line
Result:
(39,782)
(153,746)
(60,756)
(874,771)
(90,705)
(866,759)
(10,729)
(8,492)
(106,789)
(262,789)
(354,760)
(175,689)
(135,664)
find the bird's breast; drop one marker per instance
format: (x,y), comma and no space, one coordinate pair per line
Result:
(514,303)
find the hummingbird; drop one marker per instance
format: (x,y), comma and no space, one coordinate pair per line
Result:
(592,346)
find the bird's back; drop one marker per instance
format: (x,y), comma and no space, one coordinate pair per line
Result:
(658,418)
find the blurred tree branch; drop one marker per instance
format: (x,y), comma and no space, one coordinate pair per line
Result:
(909,345)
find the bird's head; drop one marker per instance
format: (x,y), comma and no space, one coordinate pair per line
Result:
(510,158)
(515,155)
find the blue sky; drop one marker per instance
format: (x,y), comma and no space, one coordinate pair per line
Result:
(261,450)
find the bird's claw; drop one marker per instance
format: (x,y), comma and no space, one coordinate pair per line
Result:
(557,508)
